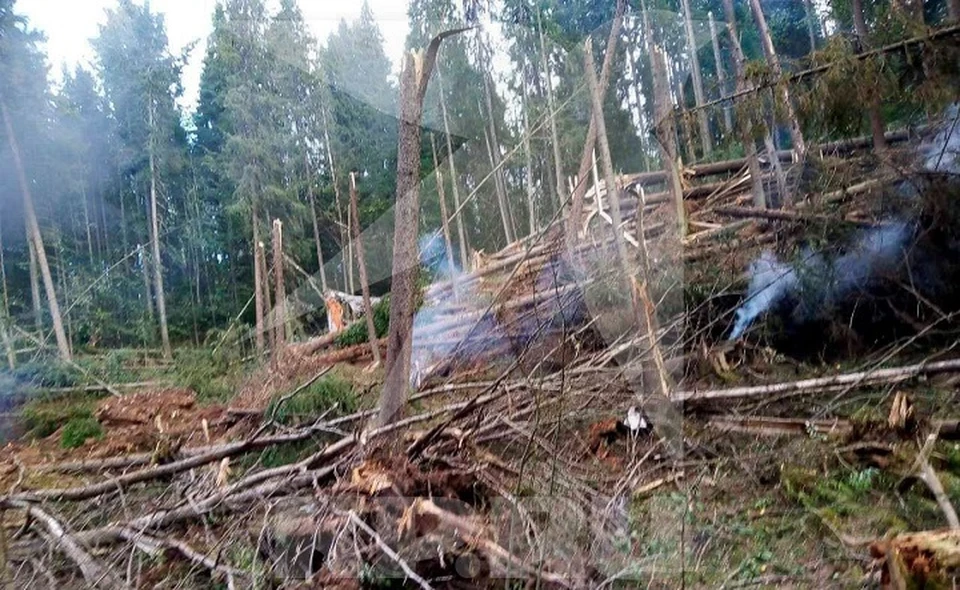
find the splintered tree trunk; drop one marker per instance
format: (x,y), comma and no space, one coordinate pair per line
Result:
(654,368)
(155,244)
(361,261)
(552,114)
(316,226)
(280,296)
(665,129)
(586,156)
(36,239)
(877,126)
(444,215)
(799,145)
(258,280)
(721,75)
(749,146)
(414,78)
(697,79)
(461,232)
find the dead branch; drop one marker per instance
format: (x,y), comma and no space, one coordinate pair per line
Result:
(387,550)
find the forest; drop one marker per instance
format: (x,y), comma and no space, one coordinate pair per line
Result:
(579,294)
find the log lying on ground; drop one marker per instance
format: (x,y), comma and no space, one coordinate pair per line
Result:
(785,215)
(839,427)
(919,560)
(812,386)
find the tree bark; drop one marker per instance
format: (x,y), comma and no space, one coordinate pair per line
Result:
(414,78)
(796,134)
(258,279)
(279,298)
(528,168)
(35,285)
(461,232)
(705,139)
(749,146)
(444,220)
(361,261)
(721,75)
(5,320)
(155,245)
(665,129)
(493,148)
(586,156)
(36,239)
(554,136)
(344,238)
(877,126)
(316,226)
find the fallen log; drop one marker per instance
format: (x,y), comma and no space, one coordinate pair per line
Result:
(812,386)
(920,560)
(785,215)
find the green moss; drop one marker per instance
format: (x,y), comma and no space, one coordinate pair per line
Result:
(78,430)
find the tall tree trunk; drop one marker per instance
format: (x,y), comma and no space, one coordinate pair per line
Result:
(147,290)
(5,320)
(498,188)
(316,226)
(665,128)
(35,285)
(414,78)
(721,75)
(586,156)
(62,280)
(461,232)
(33,234)
(877,126)
(444,216)
(344,238)
(654,369)
(86,222)
(493,148)
(552,113)
(746,136)
(811,19)
(280,296)
(796,134)
(258,280)
(705,139)
(155,244)
(362,263)
(528,168)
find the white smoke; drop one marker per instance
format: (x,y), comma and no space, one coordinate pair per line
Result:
(770,281)
(942,154)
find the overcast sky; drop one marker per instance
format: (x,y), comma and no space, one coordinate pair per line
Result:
(70,24)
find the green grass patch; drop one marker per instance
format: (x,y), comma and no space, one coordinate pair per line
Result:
(44,415)
(78,430)
(357,333)
(329,394)
(211,376)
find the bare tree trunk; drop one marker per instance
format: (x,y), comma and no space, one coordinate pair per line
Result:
(721,75)
(498,188)
(877,126)
(552,113)
(344,238)
(86,222)
(414,78)
(586,156)
(528,156)
(6,320)
(654,368)
(749,146)
(493,148)
(799,145)
(665,129)
(147,290)
(811,18)
(33,234)
(316,226)
(62,280)
(155,244)
(35,286)
(364,281)
(461,232)
(705,139)
(280,296)
(444,219)
(258,280)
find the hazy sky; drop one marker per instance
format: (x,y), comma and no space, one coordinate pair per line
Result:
(70,24)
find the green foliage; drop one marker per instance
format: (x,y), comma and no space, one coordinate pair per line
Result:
(209,375)
(329,394)
(357,333)
(48,373)
(78,430)
(44,415)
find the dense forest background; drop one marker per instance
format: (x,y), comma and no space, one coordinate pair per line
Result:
(149,218)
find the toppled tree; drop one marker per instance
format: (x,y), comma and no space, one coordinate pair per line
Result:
(417,67)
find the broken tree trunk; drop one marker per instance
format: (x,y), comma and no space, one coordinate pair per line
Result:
(746,135)
(417,68)
(36,238)
(697,79)
(364,282)
(766,41)
(665,129)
